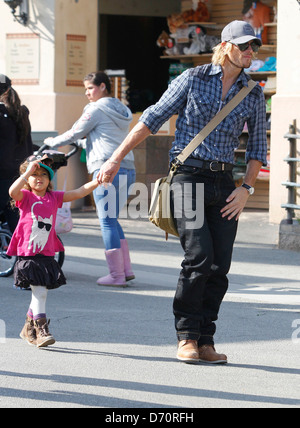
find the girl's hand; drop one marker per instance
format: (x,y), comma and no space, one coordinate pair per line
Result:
(107,173)
(32,167)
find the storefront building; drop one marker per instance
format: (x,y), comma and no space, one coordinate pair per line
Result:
(63,40)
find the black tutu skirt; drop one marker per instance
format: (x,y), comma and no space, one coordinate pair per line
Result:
(39,271)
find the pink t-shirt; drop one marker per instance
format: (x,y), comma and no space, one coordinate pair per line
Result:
(35,232)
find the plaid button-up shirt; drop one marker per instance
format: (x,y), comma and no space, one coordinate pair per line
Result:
(196,96)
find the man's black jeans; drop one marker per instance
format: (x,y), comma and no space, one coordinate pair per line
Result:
(208,250)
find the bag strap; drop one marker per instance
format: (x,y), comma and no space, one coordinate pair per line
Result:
(215,122)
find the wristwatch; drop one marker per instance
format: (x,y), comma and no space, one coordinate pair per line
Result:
(250,189)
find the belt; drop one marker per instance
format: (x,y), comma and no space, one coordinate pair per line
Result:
(213,166)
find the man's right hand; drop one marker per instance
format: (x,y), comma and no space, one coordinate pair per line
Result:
(107,173)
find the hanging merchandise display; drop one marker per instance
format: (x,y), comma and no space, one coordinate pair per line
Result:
(177,20)
(188,36)
(257,14)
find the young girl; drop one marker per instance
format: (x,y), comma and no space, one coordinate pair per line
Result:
(35,242)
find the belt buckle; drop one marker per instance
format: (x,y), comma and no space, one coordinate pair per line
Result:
(211,166)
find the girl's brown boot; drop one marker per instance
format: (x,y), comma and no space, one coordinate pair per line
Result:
(43,336)
(28,333)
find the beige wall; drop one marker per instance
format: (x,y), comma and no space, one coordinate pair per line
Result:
(286,102)
(75,18)
(54,106)
(34,96)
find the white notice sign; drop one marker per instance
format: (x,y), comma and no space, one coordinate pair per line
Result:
(23,58)
(76,59)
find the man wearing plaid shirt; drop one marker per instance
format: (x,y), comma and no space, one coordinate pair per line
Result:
(197,96)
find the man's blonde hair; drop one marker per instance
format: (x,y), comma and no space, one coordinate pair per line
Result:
(220,52)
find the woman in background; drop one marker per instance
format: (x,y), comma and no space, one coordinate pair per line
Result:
(15,144)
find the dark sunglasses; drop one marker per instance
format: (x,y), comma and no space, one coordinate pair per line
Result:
(42,225)
(244,46)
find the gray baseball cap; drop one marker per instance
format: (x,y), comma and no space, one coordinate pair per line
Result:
(238,32)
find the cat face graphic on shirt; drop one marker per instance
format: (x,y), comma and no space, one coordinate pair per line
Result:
(40,231)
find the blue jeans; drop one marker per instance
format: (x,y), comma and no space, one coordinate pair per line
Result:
(109,202)
(203,280)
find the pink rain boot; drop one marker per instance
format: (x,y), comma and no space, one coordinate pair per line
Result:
(127,263)
(115,262)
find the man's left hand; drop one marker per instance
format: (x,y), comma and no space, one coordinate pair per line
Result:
(235,203)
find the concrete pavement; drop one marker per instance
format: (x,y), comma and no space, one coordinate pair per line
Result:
(116,348)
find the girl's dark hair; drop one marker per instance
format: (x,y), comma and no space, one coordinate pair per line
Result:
(12,102)
(97,78)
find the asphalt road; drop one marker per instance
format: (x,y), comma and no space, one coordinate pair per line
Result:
(116,348)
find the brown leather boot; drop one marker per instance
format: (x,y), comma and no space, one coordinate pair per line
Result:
(208,354)
(43,337)
(188,351)
(28,333)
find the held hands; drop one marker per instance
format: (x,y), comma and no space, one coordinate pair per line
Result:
(108,172)
(235,203)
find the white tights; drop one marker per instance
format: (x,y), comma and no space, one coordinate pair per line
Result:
(38,300)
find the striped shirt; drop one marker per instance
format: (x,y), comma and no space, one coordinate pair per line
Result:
(196,96)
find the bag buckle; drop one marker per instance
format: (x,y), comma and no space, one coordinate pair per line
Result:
(175,164)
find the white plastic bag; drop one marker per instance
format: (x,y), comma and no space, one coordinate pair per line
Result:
(64,222)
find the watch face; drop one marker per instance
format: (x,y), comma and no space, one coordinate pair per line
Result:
(250,189)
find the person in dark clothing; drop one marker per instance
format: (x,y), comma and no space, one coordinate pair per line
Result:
(15,144)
